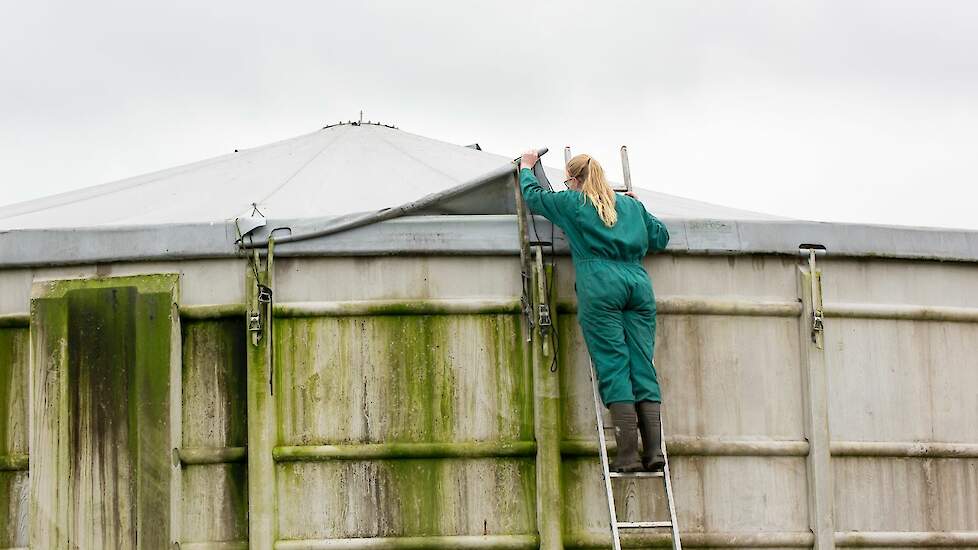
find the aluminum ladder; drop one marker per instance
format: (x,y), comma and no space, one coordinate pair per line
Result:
(609,475)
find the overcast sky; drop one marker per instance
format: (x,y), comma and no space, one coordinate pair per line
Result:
(848,110)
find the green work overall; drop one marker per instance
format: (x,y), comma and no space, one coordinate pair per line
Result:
(615,303)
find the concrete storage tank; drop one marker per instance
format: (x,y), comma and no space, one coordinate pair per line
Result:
(391,399)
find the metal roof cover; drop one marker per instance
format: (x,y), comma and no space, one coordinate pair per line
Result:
(346,170)
(335,171)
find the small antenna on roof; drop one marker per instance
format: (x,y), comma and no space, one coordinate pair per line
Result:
(361,116)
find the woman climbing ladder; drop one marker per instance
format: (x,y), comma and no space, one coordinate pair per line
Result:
(609,236)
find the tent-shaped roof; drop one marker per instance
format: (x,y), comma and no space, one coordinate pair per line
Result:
(339,170)
(357,177)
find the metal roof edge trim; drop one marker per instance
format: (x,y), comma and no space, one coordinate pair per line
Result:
(471,235)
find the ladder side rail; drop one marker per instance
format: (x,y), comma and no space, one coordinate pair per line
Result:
(626,170)
(667,479)
(603,454)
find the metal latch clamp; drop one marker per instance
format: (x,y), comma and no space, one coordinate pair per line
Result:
(818,317)
(543,316)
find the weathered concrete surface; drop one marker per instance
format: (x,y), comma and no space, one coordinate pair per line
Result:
(396,498)
(907,381)
(103,449)
(403,379)
(215,496)
(732,387)
(101,385)
(14,364)
(201,281)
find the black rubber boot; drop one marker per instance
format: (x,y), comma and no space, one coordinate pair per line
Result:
(626,434)
(649,423)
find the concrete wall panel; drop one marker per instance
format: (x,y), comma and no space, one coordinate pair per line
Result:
(401,379)
(215,496)
(399,498)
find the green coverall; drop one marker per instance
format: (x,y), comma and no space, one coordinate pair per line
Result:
(615,303)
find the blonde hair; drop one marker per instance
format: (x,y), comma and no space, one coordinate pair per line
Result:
(594,187)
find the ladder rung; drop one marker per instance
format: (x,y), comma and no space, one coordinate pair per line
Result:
(643,524)
(635,474)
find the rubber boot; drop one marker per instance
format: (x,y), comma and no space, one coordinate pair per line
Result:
(626,434)
(649,423)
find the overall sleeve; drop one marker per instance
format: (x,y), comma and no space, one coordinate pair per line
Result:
(658,234)
(541,201)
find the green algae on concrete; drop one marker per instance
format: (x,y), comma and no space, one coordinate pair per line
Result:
(214,383)
(419,384)
(489,496)
(49,500)
(392,390)
(103,371)
(215,494)
(15,320)
(13,500)
(376,451)
(14,359)
(155,283)
(546,403)
(14,351)
(262,424)
(103,417)
(390,379)
(375,308)
(577,409)
(507,351)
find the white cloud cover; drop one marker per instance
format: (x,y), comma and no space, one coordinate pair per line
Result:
(862,111)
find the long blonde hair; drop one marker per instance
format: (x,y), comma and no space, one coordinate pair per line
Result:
(594,187)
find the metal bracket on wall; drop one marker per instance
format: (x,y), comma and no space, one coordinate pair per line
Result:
(818,318)
(254,311)
(543,291)
(260,308)
(544,318)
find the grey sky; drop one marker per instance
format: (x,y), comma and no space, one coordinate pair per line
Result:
(834,110)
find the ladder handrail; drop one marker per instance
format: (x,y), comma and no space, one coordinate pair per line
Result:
(603,453)
(676,544)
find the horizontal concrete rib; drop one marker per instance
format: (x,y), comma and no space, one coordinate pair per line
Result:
(211,311)
(398,307)
(922,539)
(375,451)
(907,449)
(669,305)
(212,455)
(902,312)
(489,542)
(693,540)
(686,305)
(216,545)
(14,463)
(15,320)
(360,307)
(701,446)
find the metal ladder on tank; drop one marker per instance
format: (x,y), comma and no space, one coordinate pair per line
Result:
(606,472)
(608,475)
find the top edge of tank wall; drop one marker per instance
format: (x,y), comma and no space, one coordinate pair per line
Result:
(472,235)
